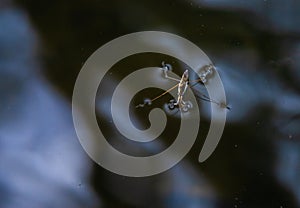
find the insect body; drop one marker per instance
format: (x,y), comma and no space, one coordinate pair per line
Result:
(181,89)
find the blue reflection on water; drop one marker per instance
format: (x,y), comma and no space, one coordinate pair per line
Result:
(41,162)
(280,15)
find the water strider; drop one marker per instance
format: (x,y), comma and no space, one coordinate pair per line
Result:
(182,85)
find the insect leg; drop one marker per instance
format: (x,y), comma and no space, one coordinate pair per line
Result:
(166,68)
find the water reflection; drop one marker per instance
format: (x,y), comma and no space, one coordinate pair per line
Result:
(42,163)
(255,47)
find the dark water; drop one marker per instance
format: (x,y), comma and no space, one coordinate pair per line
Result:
(255,46)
